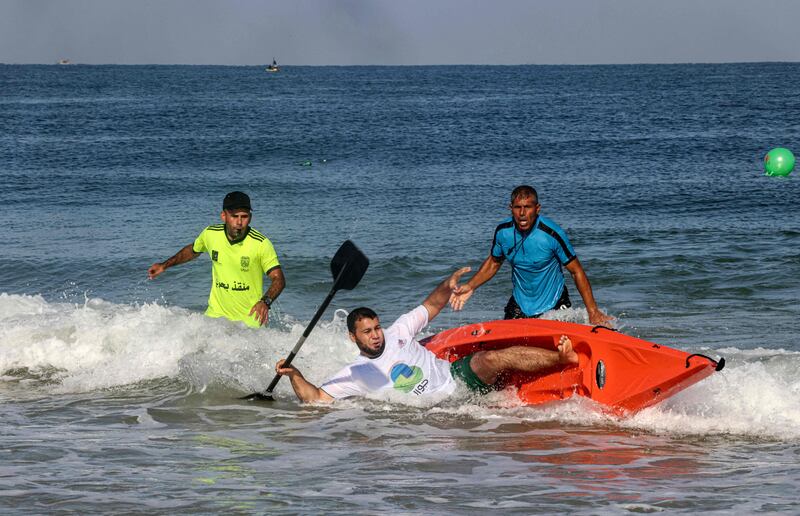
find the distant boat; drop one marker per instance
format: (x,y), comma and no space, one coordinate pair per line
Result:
(273,67)
(64,62)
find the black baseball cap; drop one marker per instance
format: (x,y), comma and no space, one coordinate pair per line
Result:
(236,200)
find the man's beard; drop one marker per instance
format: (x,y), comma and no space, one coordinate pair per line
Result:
(235,234)
(369,353)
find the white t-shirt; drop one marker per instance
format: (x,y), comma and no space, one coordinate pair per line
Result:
(404,365)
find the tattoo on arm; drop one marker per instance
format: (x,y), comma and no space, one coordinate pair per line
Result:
(184,255)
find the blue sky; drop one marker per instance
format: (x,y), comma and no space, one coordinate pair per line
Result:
(404,32)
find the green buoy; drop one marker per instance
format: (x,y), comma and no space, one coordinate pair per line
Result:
(779,162)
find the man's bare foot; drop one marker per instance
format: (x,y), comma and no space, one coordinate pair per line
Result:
(566,355)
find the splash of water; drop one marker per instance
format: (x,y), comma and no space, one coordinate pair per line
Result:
(58,348)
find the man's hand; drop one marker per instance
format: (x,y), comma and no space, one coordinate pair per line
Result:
(262,312)
(307,392)
(458,293)
(459,296)
(598,318)
(285,371)
(155,269)
(452,281)
(437,299)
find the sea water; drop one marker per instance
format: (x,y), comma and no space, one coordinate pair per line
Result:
(118,396)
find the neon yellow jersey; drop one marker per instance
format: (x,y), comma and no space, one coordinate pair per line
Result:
(237,271)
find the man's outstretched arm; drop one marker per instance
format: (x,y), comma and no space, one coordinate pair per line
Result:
(306,391)
(488,269)
(184,255)
(437,299)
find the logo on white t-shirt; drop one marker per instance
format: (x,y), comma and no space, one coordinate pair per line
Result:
(405,377)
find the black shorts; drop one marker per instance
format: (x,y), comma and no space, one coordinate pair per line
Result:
(513,311)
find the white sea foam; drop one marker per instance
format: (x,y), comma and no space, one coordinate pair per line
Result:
(758,399)
(99,345)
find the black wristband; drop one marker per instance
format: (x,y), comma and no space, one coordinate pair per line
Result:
(267,300)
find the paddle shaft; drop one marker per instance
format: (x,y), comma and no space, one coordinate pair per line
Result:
(348,266)
(302,339)
(307,331)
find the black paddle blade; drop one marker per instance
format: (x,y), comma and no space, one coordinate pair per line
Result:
(348,266)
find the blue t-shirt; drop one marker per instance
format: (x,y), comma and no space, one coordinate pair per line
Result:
(536,259)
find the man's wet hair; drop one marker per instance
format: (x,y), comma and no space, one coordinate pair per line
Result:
(524,191)
(356,315)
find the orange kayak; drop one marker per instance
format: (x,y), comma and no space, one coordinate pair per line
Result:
(622,373)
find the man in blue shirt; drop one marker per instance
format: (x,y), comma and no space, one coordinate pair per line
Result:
(537,248)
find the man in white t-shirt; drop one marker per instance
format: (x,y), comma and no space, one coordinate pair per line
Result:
(393,359)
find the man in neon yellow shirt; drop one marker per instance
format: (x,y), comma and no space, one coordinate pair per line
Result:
(240,257)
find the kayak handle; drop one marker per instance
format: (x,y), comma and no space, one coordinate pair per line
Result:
(719,364)
(594,330)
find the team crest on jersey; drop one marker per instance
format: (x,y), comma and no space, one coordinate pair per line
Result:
(401,343)
(215,256)
(245,263)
